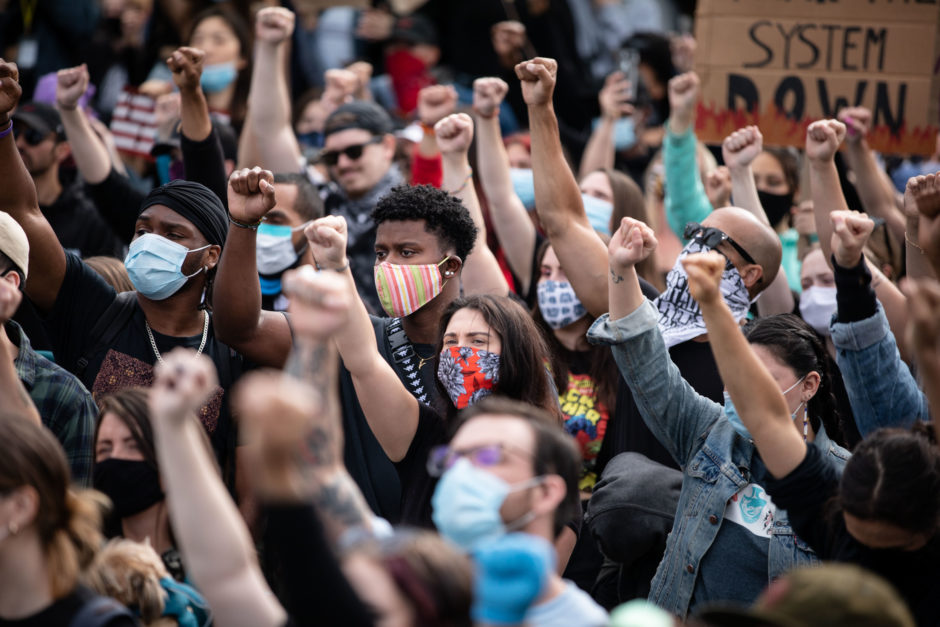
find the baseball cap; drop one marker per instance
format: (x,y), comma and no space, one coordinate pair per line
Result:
(831,595)
(40,116)
(13,243)
(414,29)
(358,114)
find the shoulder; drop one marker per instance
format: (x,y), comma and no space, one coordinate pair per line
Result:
(573,606)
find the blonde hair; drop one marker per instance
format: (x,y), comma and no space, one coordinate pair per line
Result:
(130,573)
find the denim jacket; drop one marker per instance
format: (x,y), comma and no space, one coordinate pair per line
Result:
(881,389)
(714,459)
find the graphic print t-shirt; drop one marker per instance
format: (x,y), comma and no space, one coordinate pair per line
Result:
(585,416)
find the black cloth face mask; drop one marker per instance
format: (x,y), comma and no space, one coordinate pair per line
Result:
(132,486)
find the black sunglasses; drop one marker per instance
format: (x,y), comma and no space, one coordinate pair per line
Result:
(711,237)
(353,152)
(31,135)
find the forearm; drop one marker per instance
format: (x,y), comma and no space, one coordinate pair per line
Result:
(89,152)
(557,196)
(685,200)
(744,193)
(514,229)
(270,134)
(916,263)
(194,114)
(756,396)
(220,556)
(236,289)
(204,163)
(600,152)
(827,197)
(326,483)
(118,202)
(625,294)
(481,273)
(869,182)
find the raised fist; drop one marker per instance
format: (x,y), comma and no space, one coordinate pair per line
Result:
(823,138)
(538,80)
(250,194)
(436,102)
(71,84)
(454,133)
(274,25)
(488,94)
(741,147)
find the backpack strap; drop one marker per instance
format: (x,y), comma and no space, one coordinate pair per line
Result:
(112,320)
(99,611)
(405,361)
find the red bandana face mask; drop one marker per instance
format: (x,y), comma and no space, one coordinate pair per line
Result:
(468,374)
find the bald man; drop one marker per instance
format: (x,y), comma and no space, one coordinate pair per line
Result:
(753,236)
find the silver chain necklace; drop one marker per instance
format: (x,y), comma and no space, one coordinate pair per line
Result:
(202,344)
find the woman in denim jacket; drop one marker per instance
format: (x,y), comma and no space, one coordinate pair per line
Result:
(728,540)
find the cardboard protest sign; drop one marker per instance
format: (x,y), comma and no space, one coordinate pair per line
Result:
(782,64)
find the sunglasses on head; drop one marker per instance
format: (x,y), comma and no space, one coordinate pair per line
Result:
(331,157)
(31,135)
(711,237)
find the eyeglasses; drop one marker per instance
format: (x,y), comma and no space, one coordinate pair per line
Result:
(711,237)
(31,135)
(442,458)
(353,152)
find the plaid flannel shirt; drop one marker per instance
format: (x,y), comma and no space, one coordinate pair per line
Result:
(65,406)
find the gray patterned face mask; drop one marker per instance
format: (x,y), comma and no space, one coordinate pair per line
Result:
(680,319)
(467,374)
(559,304)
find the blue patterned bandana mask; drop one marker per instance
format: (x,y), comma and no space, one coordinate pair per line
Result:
(468,374)
(559,304)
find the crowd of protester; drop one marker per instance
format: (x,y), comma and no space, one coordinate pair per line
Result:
(437,312)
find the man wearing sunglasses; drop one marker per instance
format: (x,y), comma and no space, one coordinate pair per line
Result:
(358,152)
(40,139)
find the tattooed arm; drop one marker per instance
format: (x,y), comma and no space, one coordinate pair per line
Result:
(295,420)
(211,535)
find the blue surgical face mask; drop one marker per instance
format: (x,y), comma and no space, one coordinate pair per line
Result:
(731,412)
(217,77)
(155,265)
(524,186)
(274,248)
(559,304)
(313,139)
(598,213)
(466,505)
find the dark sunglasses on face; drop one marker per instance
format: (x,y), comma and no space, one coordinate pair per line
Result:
(711,237)
(353,152)
(31,135)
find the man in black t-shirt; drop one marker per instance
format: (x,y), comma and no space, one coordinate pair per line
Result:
(112,341)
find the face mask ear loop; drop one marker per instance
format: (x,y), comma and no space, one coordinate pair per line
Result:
(529,516)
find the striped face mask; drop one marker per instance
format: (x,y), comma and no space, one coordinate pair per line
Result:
(404,289)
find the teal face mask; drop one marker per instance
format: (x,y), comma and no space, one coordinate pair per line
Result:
(466,505)
(731,413)
(217,77)
(598,213)
(524,186)
(274,248)
(155,265)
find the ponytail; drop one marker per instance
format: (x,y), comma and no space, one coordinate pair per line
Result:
(73,545)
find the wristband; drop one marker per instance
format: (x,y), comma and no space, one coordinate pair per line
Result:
(7,130)
(495,113)
(464,185)
(427,128)
(244,225)
(343,269)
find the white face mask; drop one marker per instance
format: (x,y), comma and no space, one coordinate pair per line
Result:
(274,248)
(817,304)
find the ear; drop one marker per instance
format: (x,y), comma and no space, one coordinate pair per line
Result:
(810,386)
(389,143)
(211,258)
(12,276)
(752,274)
(451,267)
(62,151)
(547,496)
(23,506)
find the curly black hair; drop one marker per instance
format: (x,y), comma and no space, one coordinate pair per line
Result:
(444,215)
